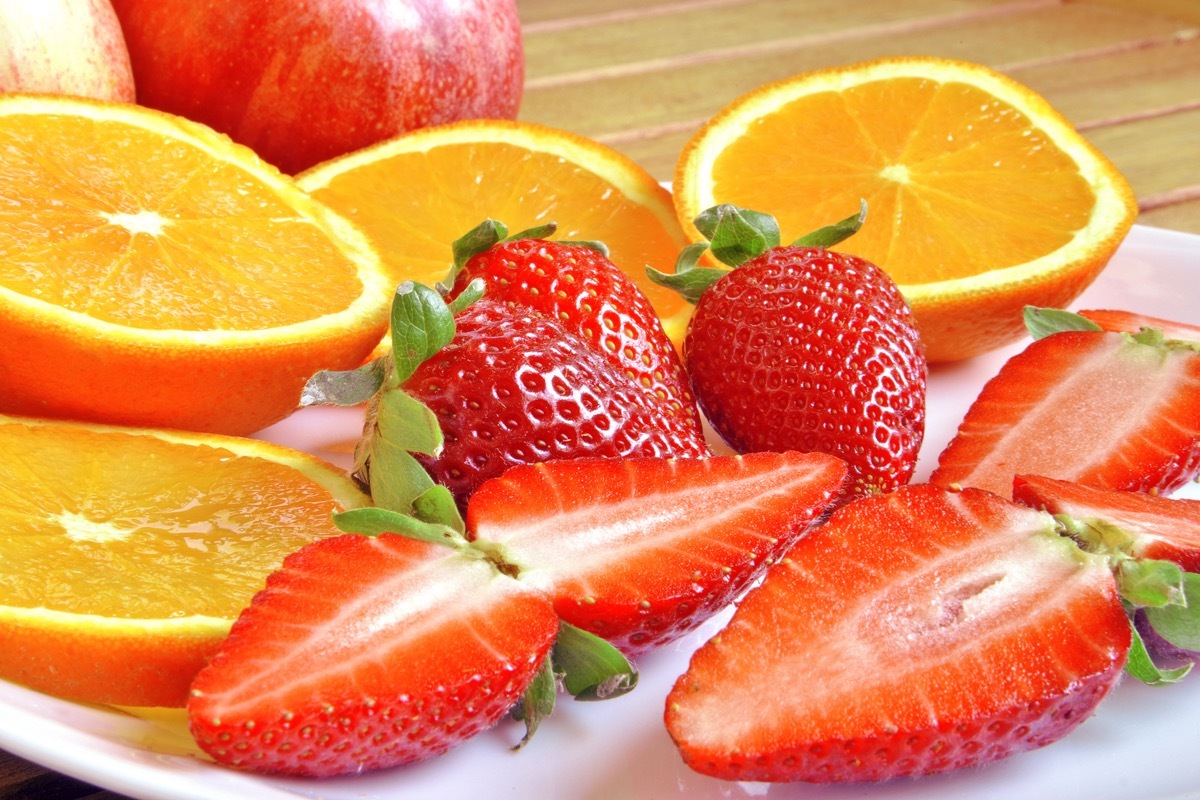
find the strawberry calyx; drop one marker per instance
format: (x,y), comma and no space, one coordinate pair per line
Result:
(490,233)
(1043,322)
(737,235)
(408,501)
(1160,590)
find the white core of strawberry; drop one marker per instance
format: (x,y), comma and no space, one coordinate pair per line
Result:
(419,600)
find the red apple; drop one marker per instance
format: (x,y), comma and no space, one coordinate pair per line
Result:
(64,47)
(301,81)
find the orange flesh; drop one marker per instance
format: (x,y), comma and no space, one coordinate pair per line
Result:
(460,185)
(130,526)
(956,181)
(162,236)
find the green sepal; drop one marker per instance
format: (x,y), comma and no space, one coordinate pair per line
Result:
(408,422)
(591,668)
(737,235)
(436,506)
(479,239)
(836,233)
(537,702)
(688,280)
(1141,666)
(1042,322)
(1150,583)
(470,293)
(1179,624)
(543,231)
(422,324)
(350,387)
(374,521)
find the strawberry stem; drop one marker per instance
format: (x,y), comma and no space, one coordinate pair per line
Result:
(737,235)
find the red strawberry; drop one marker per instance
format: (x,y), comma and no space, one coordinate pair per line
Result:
(640,551)
(514,387)
(1152,526)
(371,652)
(363,653)
(1103,409)
(576,284)
(803,348)
(915,632)
(1130,322)
(1139,526)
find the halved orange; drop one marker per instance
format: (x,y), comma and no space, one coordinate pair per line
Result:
(414,195)
(981,197)
(154,273)
(129,552)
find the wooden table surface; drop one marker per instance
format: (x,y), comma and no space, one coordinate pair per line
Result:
(643,75)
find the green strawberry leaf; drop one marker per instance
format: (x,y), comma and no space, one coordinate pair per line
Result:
(591,667)
(422,324)
(1142,667)
(470,293)
(374,521)
(345,387)
(688,280)
(544,231)
(737,235)
(538,701)
(1179,624)
(436,506)
(479,239)
(1150,583)
(1042,322)
(836,233)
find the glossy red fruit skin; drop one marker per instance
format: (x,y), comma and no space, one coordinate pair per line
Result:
(302,81)
(965,689)
(517,388)
(806,349)
(594,299)
(343,664)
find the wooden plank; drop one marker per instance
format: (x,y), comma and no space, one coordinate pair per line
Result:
(1159,155)
(1182,10)
(1183,216)
(1141,81)
(680,96)
(538,16)
(639,41)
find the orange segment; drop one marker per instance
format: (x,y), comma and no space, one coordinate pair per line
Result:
(416,194)
(154,273)
(138,548)
(981,198)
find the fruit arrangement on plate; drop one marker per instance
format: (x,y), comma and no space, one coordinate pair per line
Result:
(585,438)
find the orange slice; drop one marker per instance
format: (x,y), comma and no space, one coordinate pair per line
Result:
(154,273)
(129,552)
(414,195)
(981,197)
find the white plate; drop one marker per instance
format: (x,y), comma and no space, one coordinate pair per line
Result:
(1142,742)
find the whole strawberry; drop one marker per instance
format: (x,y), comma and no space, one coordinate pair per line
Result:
(526,363)
(514,387)
(803,348)
(576,284)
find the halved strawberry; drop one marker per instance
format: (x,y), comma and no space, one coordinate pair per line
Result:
(1131,322)
(915,632)
(1139,527)
(639,551)
(1103,409)
(1150,526)
(367,652)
